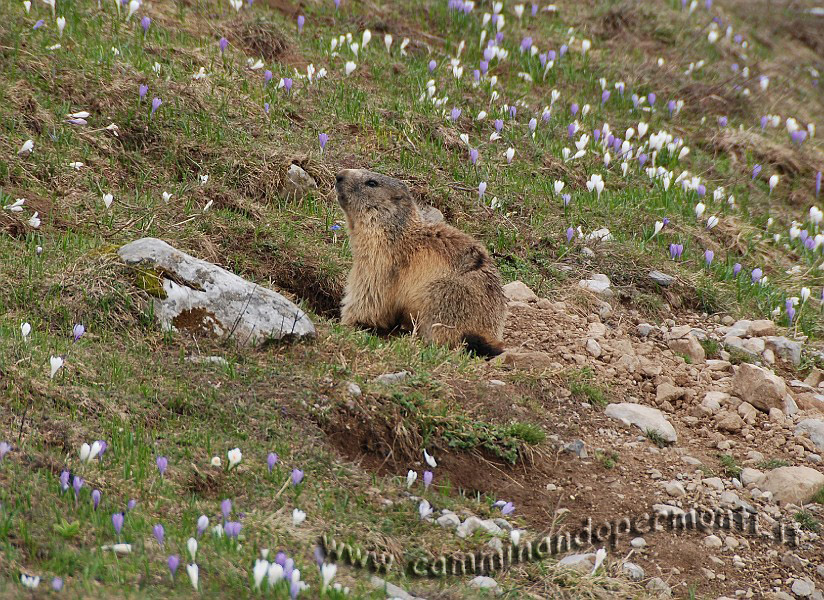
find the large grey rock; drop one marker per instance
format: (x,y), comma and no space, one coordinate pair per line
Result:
(661,279)
(794,485)
(785,348)
(198,296)
(682,341)
(298,182)
(814,428)
(391,590)
(645,418)
(597,284)
(760,387)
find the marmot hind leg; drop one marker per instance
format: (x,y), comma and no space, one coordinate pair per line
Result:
(456,314)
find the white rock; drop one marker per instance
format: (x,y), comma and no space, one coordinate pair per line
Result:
(794,485)
(803,588)
(645,418)
(205,298)
(597,284)
(517,291)
(814,429)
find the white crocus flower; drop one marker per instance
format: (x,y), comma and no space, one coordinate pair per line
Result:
(56,363)
(193,572)
(411,476)
(430,460)
(349,68)
(235,456)
(298,517)
(191,546)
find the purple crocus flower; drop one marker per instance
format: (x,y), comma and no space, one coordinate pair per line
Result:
(526,44)
(57,584)
(162,463)
(96,498)
(103,447)
(156,102)
(272,458)
(132,503)
(337,4)
(671,106)
(4,449)
(266,107)
(297,476)
(484,66)
(287,84)
(701,190)
(809,243)
(267,77)
(605,96)
(301,22)
(320,556)
(77,331)
(499,37)
(543,58)
(489,54)
(507,508)
(635,100)
(665,221)
(39,24)
(456,113)
(473,155)
(756,275)
(145,23)
(551,54)
(432,65)
(736,269)
(804,234)
(223,44)
(280,558)
(734,67)
(596,134)
(173,562)
(571,130)
(499,125)
(573,109)
(294,589)
(142,90)
(764,122)
(232,529)
(77,483)
(427,478)
(790,311)
(755,171)
(738,38)
(798,136)
(64,480)
(117,522)
(512,112)
(708,256)
(159,533)
(476,75)
(642,159)
(651,98)
(226,508)
(722,121)
(567,198)
(563,49)
(817,184)
(481,189)
(534,9)
(569,233)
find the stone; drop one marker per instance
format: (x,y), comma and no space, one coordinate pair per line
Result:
(579,562)
(815,378)
(638,543)
(785,348)
(197,296)
(713,541)
(803,588)
(747,412)
(391,590)
(666,392)
(207,360)
(729,421)
(661,279)
(658,586)
(750,476)
(353,389)
(813,429)
(794,485)
(391,378)
(486,583)
(596,330)
(739,329)
(431,215)
(776,415)
(593,348)
(468,527)
(675,489)
(667,510)
(597,284)
(644,329)
(681,341)
(298,182)
(713,400)
(759,386)
(761,328)
(578,448)
(645,418)
(448,521)
(633,571)
(530,359)
(517,291)
(714,482)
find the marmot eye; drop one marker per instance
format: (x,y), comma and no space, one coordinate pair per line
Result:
(372,183)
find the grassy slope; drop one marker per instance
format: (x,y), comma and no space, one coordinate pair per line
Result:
(128,383)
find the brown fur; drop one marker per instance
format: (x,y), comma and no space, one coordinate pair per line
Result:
(426,276)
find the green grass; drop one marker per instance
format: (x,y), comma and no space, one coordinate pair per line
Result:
(773,463)
(807,521)
(582,388)
(656,438)
(730,465)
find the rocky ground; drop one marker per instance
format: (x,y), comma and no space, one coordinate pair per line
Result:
(700,412)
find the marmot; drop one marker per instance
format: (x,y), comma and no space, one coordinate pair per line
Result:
(407,272)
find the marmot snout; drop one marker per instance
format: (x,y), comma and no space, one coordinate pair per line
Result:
(429,277)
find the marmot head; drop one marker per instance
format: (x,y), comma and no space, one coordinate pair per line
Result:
(373,199)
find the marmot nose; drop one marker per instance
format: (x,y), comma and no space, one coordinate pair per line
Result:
(339,178)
